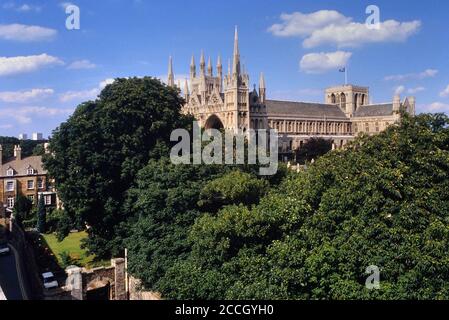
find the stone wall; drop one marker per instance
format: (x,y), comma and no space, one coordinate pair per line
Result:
(80,281)
(27,261)
(137,293)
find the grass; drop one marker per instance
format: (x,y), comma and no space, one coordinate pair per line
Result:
(72,246)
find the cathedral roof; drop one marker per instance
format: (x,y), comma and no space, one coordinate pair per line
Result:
(375,110)
(304,109)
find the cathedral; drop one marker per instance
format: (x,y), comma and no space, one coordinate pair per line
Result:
(225,101)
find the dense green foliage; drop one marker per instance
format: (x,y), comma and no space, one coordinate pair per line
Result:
(100,149)
(41,216)
(22,208)
(167,203)
(313,149)
(29,147)
(221,232)
(384,201)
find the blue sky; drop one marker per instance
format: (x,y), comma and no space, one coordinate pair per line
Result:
(47,70)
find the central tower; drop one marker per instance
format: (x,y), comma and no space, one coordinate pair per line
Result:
(237,91)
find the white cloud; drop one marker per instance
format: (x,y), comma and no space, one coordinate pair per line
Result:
(85,94)
(331,27)
(356,34)
(429,73)
(399,90)
(81,64)
(436,107)
(25,115)
(23,64)
(416,90)
(26,33)
(25,96)
(21,8)
(106,82)
(445,92)
(300,24)
(322,62)
(27,7)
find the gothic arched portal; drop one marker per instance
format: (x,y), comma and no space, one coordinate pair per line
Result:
(214,122)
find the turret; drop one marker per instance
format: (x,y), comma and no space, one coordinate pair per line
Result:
(171,76)
(210,71)
(220,72)
(236,55)
(186,90)
(262,88)
(219,67)
(202,64)
(192,68)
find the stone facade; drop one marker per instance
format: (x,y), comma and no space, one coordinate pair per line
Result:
(226,101)
(25,176)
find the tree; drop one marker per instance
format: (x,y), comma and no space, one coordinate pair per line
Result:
(383,201)
(29,147)
(236,187)
(97,153)
(41,215)
(313,149)
(22,208)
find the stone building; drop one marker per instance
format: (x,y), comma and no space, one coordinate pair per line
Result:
(226,101)
(25,176)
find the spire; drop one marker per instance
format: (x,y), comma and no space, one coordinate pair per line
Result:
(209,68)
(236,56)
(219,64)
(192,68)
(262,81)
(262,88)
(171,77)
(229,67)
(202,63)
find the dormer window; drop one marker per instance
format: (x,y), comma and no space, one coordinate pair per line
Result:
(30,171)
(10,172)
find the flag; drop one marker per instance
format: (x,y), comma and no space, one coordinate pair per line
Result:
(342,70)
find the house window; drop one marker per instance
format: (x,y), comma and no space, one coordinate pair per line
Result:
(10,172)
(377,127)
(30,184)
(40,184)
(366,127)
(30,171)
(10,202)
(47,200)
(31,197)
(10,186)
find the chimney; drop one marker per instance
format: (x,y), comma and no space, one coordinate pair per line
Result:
(18,152)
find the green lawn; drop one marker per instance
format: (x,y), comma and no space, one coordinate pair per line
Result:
(72,245)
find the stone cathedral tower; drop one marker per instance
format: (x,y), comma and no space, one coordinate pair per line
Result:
(219,101)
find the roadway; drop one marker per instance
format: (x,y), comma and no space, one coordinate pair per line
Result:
(9,278)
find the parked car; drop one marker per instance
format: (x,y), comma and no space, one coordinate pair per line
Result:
(4,250)
(49,280)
